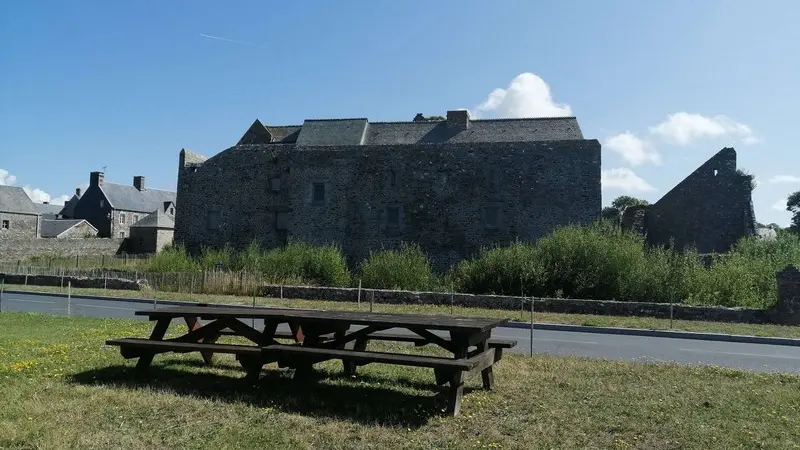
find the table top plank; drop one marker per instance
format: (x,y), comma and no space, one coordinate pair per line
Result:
(447,323)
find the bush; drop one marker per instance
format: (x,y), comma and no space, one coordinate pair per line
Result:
(508,270)
(324,265)
(171,259)
(406,268)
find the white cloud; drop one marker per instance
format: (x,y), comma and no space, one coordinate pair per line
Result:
(6,179)
(633,149)
(624,179)
(526,96)
(780,205)
(784,179)
(36,195)
(684,128)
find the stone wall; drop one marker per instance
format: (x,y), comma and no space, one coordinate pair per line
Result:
(76,282)
(788,308)
(81,230)
(711,209)
(148,240)
(121,222)
(450,198)
(20,249)
(19,226)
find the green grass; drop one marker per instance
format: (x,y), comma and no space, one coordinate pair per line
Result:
(62,389)
(648,323)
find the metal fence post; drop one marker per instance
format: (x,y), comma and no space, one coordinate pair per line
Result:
(359,293)
(371,300)
(69,297)
(532,299)
(2,287)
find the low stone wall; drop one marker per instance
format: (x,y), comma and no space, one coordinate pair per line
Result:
(19,249)
(76,282)
(510,303)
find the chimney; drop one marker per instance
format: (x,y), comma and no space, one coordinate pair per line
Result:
(45,203)
(78,192)
(95,178)
(458,120)
(138,182)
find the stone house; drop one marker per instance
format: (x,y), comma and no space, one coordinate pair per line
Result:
(68,211)
(67,228)
(710,210)
(152,233)
(18,215)
(452,185)
(112,208)
(48,211)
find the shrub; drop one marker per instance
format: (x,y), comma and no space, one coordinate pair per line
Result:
(406,268)
(508,270)
(324,265)
(171,259)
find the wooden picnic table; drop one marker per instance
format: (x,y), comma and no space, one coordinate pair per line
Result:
(320,335)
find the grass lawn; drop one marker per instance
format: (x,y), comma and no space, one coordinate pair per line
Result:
(62,389)
(574,319)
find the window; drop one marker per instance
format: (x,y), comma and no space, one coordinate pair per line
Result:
(214,219)
(318,195)
(102,203)
(281,220)
(392,178)
(122,234)
(393,216)
(171,211)
(6,225)
(135,218)
(275,184)
(122,218)
(491,216)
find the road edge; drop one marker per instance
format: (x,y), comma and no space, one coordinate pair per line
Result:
(740,338)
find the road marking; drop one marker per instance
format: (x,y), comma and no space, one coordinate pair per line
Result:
(535,339)
(104,306)
(27,301)
(739,354)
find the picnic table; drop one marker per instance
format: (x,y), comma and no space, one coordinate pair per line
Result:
(319,335)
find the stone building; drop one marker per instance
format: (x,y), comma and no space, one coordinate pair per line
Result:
(18,215)
(451,185)
(48,211)
(152,233)
(709,210)
(68,211)
(112,208)
(67,229)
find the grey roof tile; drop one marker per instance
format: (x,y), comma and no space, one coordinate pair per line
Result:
(332,132)
(129,198)
(13,199)
(69,207)
(53,228)
(48,209)
(157,219)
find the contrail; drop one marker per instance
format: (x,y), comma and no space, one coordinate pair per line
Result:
(226,39)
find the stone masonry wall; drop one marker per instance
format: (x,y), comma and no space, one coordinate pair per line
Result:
(19,226)
(450,198)
(121,222)
(20,249)
(788,308)
(79,231)
(711,209)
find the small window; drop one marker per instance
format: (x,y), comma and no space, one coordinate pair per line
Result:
(135,218)
(393,216)
(392,178)
(122,234)
(102,203)
(141,241)
(171,211)
(275,184)
(6,225)
(318,196)
(213,220)
(491,216)
(281,220)
(122,218)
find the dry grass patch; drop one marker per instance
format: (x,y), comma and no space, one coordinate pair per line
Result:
(62,389)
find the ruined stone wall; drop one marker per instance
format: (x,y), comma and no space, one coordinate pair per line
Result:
(81,230)
(20,249)
(20,226)
(711,209)
(449,198)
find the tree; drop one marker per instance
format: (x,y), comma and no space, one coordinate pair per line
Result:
(626,201)
(609,212)
(793,206)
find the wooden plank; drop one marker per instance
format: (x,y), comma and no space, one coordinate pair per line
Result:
(420,341)
(177,346)
(371,357)
(431,322)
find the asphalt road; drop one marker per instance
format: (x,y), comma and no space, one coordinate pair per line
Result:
(753,357)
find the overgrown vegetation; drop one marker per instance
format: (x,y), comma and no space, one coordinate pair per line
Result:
(599,261)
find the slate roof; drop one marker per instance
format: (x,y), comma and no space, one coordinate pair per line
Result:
(156,219)
(53,228)
(128,198)
(48,210)
(360,131)
(14,200)
(69,207)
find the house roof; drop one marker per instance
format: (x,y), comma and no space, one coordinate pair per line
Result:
(359,131)
(14,200)
(48,209)
(129,198)
(54,228)
(69,207)
(156,219)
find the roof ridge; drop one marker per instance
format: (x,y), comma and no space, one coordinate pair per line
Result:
(134,187)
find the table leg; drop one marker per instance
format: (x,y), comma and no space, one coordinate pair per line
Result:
(194,323)
(460,347)
(486,374)
(358,345)
(157,334)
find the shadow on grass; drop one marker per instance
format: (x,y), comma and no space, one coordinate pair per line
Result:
(365,398)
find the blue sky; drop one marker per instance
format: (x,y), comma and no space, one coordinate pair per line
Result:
(663,85)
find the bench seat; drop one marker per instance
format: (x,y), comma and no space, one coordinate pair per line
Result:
(182,347)
(434,362)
